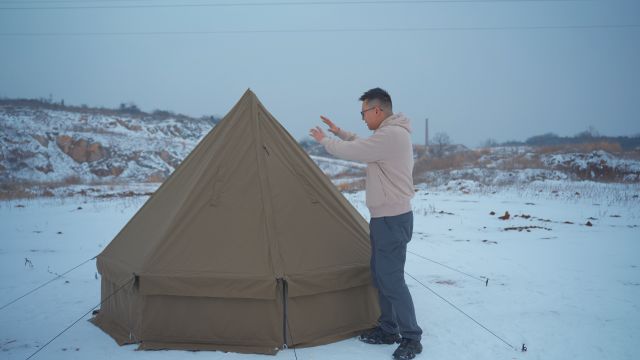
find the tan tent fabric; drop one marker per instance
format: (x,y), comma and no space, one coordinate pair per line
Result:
(246,247)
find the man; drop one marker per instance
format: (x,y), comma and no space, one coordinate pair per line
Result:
(389,189)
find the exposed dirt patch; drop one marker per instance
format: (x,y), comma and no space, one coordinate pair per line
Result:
(446,282)
(525,228)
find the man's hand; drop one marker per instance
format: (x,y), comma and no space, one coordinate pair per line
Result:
(317,133)
(332,127)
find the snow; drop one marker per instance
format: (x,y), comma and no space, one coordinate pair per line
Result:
(332,167)
(599,158)
(566,290)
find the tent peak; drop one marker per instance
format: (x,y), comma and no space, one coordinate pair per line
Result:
(249,93)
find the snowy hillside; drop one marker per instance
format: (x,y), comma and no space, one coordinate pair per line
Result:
(47,145)
(523,164)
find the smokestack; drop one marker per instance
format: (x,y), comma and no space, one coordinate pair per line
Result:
(426,132)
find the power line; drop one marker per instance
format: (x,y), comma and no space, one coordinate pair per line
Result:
(312,2)
(319,31)
(261,4)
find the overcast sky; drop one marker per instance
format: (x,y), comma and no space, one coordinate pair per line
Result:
(505,70)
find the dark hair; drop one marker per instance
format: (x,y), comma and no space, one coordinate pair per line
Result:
(377,94)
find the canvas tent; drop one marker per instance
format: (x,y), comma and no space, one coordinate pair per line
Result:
(246,247)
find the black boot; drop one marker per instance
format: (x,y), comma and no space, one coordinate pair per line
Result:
(408,349)
(379,336)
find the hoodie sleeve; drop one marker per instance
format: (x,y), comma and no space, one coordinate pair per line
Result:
(346,136)
(374,148)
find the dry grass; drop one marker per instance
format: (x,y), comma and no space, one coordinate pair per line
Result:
(520,162)
(350,174)
(71,180)
(11,191)
(516,161)
(454,161)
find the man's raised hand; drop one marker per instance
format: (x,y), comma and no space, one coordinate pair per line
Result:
(332,127)
(317,133)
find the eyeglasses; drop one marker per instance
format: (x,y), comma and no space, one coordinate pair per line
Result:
(365,110)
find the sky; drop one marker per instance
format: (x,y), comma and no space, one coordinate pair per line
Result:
(477,69)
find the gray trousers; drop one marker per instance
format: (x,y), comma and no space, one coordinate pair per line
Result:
(389,237)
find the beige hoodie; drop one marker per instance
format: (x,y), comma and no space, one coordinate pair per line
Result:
(389,157)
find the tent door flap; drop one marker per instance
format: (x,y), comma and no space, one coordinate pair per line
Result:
(285,320)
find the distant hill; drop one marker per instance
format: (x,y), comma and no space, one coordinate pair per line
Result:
(587,137)
(49,145)
(125,109)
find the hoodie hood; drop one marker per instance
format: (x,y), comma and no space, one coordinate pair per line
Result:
(397,120)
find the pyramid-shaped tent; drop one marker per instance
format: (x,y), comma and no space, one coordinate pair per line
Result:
(246,247)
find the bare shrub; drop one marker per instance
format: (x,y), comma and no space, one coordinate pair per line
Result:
(441,140)
(482,152)
(351,186)
(15,190)
(450,162)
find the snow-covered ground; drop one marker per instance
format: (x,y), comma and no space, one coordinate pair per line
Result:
(565,289)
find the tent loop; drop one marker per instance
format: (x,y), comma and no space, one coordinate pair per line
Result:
(136,281)
(311,194)
(219,180)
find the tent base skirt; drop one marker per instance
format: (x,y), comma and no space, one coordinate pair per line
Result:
(150,345)
(117,332)
(122,337)
(333,338)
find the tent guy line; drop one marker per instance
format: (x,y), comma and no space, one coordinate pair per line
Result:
(80,318)
(93,258)
(46,283)
(288,324)
(464,313)
(485,280)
